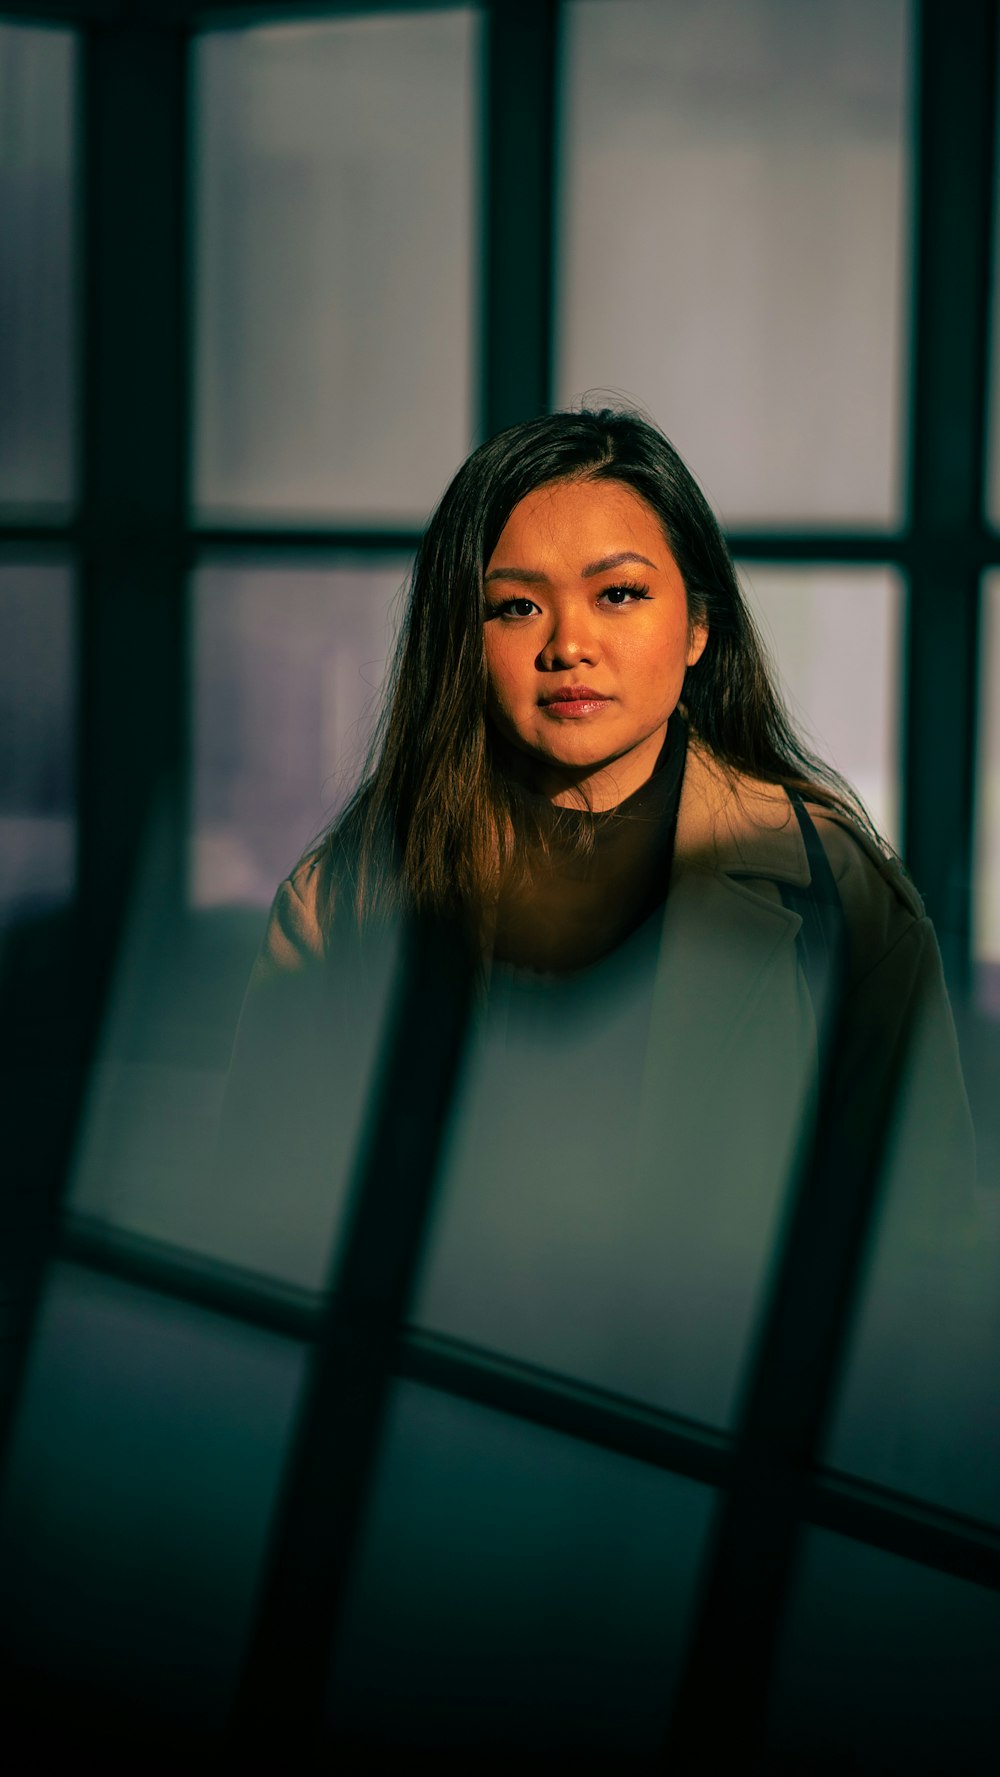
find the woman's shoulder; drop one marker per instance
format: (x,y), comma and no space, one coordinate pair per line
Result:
(754,832)
(861,867)
(293,937)
(881,903)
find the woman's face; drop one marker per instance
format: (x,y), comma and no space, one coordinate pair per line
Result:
(587,638)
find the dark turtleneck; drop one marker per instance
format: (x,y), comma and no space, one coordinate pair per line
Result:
(578,905)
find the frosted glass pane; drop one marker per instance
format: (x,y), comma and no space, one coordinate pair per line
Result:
(287,670)
(37,127)
(517,1594)
(334,268)
(37,722)
(835,637)
(986,894)
(734,242)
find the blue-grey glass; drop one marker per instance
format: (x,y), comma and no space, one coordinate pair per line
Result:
(37,724)
(137,1495)
(37,393)
(915,1409)
(884,1666)
(835,636)
(334,269)
(250,1192)
(734,240)
(517,1593)
(288,666)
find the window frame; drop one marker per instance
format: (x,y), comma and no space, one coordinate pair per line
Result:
(133,524)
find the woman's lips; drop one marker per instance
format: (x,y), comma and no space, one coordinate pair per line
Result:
(579,700)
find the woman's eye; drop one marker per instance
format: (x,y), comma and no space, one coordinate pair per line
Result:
(617,595)
(513,608)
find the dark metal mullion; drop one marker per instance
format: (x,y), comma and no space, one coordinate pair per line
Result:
(331,1465)
(517,146)
(128,535)
(976,552)
(948,1542)
(719,1710)
(133,734)
(848,1506)
(954,220)
(334,1450)
(330,538)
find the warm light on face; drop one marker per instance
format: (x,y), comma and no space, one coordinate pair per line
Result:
(587,638)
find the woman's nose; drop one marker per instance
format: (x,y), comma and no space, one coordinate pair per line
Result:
(571,642)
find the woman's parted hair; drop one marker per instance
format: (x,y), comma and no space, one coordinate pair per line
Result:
(436,821)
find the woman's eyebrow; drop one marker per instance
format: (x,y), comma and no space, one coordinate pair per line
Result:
(529,575)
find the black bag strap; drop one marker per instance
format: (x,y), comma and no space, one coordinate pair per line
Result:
(822,939)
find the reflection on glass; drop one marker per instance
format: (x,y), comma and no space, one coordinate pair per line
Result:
(334,265)
(37,798)
(986,895)
(137,1493)
(516,1590)
(37,69)
(885,1666)
(594,1215)
(915,1409)
(734,242)
(288,665)
(835,636)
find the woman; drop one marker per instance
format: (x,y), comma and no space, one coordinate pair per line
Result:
(707,987)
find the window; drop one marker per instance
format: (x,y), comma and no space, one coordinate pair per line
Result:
(318,257)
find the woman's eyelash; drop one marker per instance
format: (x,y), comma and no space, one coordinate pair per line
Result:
(505,606)
(639,592)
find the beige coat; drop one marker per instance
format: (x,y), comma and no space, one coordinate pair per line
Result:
(649,1278)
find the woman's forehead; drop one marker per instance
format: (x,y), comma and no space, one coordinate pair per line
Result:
(579,523)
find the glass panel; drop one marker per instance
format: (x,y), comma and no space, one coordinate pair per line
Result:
(885,1667)
(595,1215)
(230,1135)
(288,666)
(334,292)
(37,732)
(735,240)
(517,1592)
(37,135)
(835,637)
(138,1490)
(915,1409)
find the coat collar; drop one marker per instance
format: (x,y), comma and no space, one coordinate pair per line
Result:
(735,825)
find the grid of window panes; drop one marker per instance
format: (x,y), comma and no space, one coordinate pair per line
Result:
(37,469)
(758,270)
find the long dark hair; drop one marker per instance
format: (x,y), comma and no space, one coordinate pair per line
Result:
(436,820)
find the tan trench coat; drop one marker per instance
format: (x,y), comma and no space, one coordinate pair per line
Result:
(651,1282)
